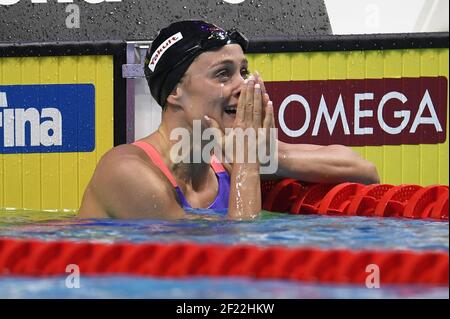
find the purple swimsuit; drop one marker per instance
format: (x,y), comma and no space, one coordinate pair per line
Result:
(220,203)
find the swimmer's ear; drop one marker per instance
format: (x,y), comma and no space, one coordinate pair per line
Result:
(175,96)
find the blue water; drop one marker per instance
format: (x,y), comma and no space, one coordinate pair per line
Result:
(202,288)
(269,229)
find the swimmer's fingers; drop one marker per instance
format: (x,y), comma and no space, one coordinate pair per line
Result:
(266,100)
(272,116)
(269,121)
(219,135)
(240,112)
(257,106)
(261,82)
(265,96)
(212,123)
(249,101)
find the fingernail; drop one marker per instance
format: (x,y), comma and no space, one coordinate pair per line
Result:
(251,78)
(257,86)
(270,104)
(207,118)
(245,81)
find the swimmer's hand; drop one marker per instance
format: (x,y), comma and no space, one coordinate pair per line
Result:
(255,110)
(245,194)
(269,122)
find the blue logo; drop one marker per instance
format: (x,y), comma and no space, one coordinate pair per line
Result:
(51,118)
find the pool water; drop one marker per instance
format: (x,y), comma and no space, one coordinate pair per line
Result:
(269,229)
(201,288)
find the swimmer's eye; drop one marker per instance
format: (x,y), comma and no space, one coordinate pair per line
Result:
(245,73)
(223,75)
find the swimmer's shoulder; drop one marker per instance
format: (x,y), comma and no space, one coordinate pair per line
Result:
(130,160)
(126,184)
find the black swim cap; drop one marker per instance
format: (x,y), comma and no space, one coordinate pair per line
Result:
(176,47)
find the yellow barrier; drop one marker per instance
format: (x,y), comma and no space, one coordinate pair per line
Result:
(47,181)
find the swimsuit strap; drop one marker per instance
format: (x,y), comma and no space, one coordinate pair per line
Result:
(216,165)
(221,200)
(157,160)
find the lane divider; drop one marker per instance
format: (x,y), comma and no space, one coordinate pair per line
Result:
(337,266)
(353,199)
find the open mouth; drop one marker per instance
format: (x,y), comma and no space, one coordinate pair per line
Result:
(230,110)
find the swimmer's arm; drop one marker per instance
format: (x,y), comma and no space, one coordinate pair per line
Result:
(324,164)
(245,194)
(122,189)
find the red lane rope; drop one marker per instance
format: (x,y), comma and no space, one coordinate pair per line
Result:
(351,199)
(35,258)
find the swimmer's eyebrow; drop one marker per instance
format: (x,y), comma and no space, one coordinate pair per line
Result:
(244,62)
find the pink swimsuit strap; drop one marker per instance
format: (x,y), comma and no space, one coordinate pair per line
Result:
(158,161)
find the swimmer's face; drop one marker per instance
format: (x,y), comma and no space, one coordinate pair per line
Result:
(212,84)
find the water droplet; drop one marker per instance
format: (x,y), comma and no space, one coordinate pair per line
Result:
(221,89)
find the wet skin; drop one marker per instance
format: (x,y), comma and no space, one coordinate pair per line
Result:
(213,86)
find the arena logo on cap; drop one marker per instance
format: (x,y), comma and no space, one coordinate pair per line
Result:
(11,2)
(163,48)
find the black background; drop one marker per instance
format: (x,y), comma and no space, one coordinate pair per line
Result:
(141,19)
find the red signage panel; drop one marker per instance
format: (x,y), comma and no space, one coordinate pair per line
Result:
(385,111)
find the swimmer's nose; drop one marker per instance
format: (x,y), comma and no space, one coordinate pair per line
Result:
(238,86)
